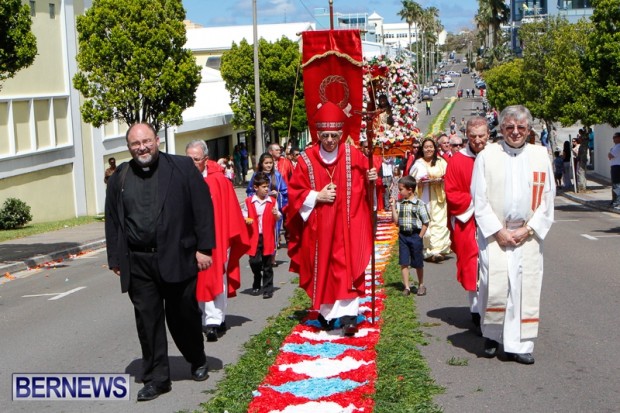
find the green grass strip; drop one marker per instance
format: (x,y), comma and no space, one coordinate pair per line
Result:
(439,123)
(42,227)
(404,383)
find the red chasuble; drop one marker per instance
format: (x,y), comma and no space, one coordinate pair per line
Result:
(331,250)
(462,234)
(285,167)
(230,232)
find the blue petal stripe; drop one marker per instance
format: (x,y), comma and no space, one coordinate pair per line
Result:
(316,388)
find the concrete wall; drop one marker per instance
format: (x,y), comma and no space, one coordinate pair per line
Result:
(49,192)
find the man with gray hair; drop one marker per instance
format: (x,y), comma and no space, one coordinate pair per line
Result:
(456,143)
(513,191)
(219,282)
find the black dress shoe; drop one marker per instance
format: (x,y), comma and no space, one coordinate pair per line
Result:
(255,291)
(475,318)
(326,325)
(221,329)
(267,295)
(152,391)
(211,334)
(490,347)
(525,358)
(349,330)
(200,373)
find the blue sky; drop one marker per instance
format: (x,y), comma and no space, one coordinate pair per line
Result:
(454,15)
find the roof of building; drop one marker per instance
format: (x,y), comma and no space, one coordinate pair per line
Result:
(212,106)
(221,38)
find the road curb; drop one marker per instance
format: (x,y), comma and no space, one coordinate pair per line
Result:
(591,204)
(37,260)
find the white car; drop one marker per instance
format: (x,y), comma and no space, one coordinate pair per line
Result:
(454,73)
(433,90)
(447,83)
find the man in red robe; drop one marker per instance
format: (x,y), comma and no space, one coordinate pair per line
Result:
(444,147)
(461,221)
(281,163)
(330,236)
(223,278)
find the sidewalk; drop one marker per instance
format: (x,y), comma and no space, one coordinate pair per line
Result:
(44,249)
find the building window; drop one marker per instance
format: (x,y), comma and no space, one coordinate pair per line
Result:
(52,11)
(32,11)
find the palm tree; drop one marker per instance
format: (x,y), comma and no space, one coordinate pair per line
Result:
(411,13)
(491,15)
(427,24)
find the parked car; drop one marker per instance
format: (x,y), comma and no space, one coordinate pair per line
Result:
(447,83)
(465,70)
(454,73)
(464,60)
(434,90)
(426,95)
(481,84)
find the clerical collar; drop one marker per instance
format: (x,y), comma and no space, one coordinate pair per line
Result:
(513,151)
(145,170)
(328,157)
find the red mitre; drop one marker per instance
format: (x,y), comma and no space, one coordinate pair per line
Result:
(329,117)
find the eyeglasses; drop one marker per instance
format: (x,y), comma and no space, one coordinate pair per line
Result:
(511,128)
(456,145)
(295,154)
(327,135)
(198,159)
(148,143)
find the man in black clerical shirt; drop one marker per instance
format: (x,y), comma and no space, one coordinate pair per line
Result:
(159,233)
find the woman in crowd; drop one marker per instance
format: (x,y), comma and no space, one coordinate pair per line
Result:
(429,170)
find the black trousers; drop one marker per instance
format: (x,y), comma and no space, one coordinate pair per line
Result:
(156,302)
(262,268)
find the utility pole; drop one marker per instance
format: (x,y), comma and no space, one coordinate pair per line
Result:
(259,147)
(331,14)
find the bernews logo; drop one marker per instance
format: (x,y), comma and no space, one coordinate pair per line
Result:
(44,386)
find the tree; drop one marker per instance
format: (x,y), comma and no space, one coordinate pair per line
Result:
(554,82)
(18,45)
(505,84)
(132,63)
(412,13)
(602,61)
(278,72)
(489,18)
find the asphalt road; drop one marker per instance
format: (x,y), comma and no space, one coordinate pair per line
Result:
(92,330)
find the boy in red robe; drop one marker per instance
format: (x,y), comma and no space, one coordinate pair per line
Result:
(330,236)
(461,221)
(262,213)
(223,278)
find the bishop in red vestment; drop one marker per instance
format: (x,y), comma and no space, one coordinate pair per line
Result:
(223,278)
(328,219)
(461,221)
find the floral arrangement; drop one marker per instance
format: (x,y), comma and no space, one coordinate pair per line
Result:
(396,82)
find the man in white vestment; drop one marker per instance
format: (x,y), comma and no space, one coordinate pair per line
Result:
(513,191)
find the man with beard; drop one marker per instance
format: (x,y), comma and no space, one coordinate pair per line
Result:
(159,234)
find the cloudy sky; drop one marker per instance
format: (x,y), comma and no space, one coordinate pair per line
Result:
(454,15)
